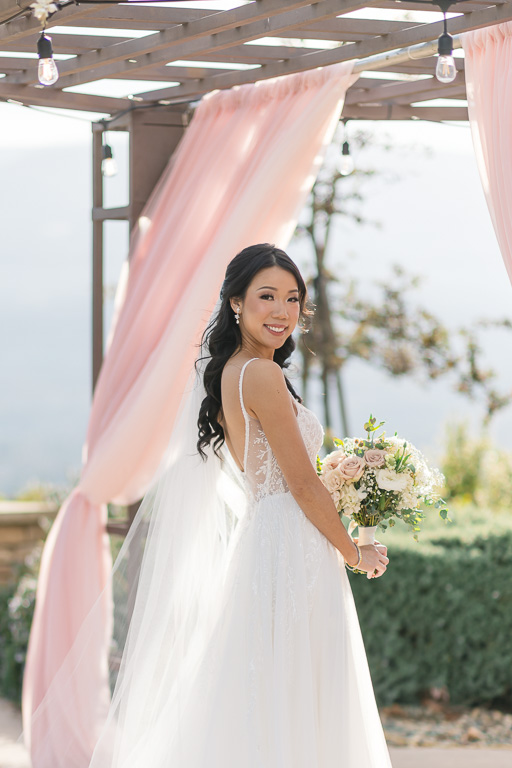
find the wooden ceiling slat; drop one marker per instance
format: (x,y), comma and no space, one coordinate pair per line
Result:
(29,26)
(403,5)
(437,91)
(170,73)
(117,15)
(410,91)
(425,66)
(46,97)
(251,54)
(239,54)
(347,27)
(8,8)
(397,112)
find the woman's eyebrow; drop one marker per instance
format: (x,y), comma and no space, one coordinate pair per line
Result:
(271,288)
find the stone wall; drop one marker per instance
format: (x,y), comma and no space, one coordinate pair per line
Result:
(23,524)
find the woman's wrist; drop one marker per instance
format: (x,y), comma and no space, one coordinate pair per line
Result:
(357,555)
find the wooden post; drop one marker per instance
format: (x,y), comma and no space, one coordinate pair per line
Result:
(97,256)
(154,135)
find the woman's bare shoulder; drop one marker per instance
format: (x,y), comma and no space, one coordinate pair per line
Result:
(259,370)
(264,387)
(263,370)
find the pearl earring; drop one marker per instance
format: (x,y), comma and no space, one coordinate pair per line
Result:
(237,316)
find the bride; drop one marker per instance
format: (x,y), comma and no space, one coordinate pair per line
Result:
(289,687)
(237,635)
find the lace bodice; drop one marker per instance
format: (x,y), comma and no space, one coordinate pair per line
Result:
(262,473)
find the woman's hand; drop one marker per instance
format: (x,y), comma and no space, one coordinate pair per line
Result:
(374,559)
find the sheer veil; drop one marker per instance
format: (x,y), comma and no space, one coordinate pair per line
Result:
(166,585)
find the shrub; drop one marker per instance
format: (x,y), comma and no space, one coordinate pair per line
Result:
(441,617)
(461,463)
(475,470)
(16,611)
(495,485)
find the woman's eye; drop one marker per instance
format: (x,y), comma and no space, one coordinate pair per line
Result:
(270,296)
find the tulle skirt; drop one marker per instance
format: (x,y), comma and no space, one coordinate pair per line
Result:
(282,679)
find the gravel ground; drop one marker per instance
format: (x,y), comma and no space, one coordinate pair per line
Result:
(418,737)
(437,725)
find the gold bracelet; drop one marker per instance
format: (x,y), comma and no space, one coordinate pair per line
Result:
(360,557)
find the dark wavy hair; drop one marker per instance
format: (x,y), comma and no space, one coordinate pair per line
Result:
(222,337)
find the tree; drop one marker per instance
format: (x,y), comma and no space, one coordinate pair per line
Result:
(390,331)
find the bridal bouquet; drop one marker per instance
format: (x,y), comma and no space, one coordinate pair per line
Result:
(377,479)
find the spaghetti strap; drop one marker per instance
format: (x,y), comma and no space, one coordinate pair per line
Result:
(244,411)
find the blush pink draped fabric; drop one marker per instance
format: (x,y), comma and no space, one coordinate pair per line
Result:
(488,67)
(240,176)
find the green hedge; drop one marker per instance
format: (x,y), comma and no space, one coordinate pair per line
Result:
(441,616)
(16,611)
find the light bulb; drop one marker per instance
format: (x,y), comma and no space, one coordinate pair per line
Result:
(108,164)
(346,163)
(446,71)
(47,71)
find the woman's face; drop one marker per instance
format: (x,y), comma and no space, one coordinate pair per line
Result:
(270,310)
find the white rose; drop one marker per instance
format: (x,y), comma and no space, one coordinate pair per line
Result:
(336,497)
(389,480)
(332,480)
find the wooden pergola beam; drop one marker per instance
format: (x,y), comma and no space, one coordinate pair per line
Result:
(333,29)
(27,25)
(398,112)
(417,34)
(45,97)
(424,67)
(397,92)
(211,32)
(468,7)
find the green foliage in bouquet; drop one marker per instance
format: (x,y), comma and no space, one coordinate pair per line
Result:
(441,618)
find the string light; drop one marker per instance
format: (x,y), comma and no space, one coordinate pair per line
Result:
(108,164)
(346,163)
(47,71)
(446,71)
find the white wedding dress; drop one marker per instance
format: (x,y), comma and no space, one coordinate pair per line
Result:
(283,680)
(276,676)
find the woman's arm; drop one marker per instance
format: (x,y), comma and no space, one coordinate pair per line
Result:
(267,398)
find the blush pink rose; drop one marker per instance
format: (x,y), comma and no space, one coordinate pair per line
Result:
(375,457)
(351,468)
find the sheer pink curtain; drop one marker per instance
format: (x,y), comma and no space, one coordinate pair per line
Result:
(240,176)
(488,66)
